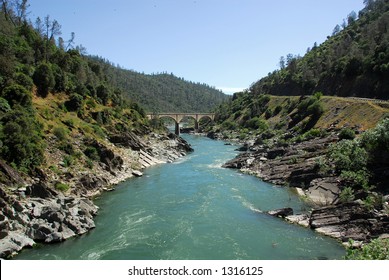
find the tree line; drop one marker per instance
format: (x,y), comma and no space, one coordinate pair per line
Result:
(354,61)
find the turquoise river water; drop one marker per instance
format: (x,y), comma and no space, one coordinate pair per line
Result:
(194,209)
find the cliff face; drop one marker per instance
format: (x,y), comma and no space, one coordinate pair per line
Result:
(37,210)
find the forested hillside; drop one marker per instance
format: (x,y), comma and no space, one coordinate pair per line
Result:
(49,87)
(354,61)
(161,92)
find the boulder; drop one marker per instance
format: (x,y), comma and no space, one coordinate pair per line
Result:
(10,175)
(274,153)
(40,190)
(301,219)
(90,182)
(13,243)
(324,191)
(283,212)
(137,173)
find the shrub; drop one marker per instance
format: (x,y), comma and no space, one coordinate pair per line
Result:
(312,133)
(61,187)
(92,153)
(257,123)
(229,125)
(24,80)
(356,179)
(347,133)
(103,94)
(66,147)
(347,195)
(377,249)
(4,105)
(17,94)
(376,142)
(277,110)
(68,161)
(74,103)
(61,133)
(315,109)
(347,155)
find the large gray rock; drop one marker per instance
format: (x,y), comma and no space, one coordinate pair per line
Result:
(13,243)
(324,191)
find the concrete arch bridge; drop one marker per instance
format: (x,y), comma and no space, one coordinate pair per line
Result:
(178,117)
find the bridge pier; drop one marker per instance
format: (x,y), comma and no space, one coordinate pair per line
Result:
(177,129)
(197,126)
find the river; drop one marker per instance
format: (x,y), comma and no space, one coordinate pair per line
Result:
(194,209)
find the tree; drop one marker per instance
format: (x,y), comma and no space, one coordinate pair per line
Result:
(39,27)
(103,93)
(44,79)
(6,8)
(21,7)
(282,62)
(51,30)
(352,17)
(336,30)
(70,41)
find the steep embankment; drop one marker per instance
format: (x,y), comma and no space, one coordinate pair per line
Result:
(293,145)
(67,132)
(82,160)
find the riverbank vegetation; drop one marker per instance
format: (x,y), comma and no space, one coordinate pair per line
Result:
(302,126)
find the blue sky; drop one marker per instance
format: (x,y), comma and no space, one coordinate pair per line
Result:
(228,44)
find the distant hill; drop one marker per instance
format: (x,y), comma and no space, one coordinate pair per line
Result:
(354,61)
(162,92)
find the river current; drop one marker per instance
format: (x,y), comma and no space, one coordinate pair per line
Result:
(194,209)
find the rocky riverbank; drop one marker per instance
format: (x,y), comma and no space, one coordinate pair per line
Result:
(38,210)
(298,165)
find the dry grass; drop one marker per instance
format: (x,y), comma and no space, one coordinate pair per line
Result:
(339,112)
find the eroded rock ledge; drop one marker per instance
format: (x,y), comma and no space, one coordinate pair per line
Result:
(298,165)
(343,221)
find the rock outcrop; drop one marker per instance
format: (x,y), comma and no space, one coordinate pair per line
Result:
(34,211)
(349,221)
(294,165)
(297,165)
(42,216)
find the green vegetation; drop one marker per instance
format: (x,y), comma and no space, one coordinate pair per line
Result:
(161,92)
(358,163)
(377,249)
(305,99)
(61,187)
(354,61)
(54,98)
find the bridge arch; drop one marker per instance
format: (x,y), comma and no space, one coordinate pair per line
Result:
(178,117)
